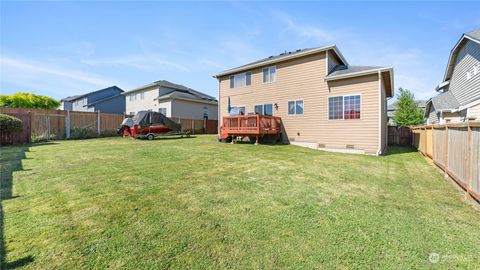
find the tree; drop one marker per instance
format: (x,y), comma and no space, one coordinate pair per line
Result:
(407,112)
(28,100)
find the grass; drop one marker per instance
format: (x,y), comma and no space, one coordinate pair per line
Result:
(195,203)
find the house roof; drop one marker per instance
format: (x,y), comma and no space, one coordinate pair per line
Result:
(72,98)
(445,102)
(473,36)
(185,95)
(102,100)
(191,93)
(282,57)
(349,70)
(343,72)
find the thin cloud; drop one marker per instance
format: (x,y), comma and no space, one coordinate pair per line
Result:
(150,62)
(48,79)
(304,32)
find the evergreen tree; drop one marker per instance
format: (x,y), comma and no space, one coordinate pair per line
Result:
(407,112)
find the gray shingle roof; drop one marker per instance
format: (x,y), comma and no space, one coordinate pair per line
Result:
(474,34)
(183,95)
(168,84)
(283,56)
(445,101)
(72,98)
(344,70)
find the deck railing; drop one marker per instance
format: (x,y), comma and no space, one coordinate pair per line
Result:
(255,124)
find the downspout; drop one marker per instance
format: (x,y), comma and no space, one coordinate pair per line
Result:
(379,115)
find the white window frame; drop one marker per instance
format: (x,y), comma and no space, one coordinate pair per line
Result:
(343,107)
(263,107)
(237,106)
(163,108)
(142,94)
(269,79)
(238,74)
(295,103)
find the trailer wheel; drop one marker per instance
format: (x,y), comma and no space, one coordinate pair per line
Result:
(150,137)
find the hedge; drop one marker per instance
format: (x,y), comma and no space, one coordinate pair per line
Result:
(9,123)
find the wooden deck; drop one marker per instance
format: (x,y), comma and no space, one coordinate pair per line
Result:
(250,125)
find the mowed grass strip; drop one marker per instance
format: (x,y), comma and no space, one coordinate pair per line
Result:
(196,203)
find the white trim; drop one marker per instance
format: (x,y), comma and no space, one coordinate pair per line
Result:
(237,106)
(233,75)
(326,63)
(295,102)
(263,106)
(275,66)
(359,73)
(454,50)
(343,107)
(286,57)
(466,106)
(379,110)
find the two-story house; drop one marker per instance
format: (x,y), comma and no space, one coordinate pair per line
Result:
(323,101)
(459,97)
(172,100)
(107,100)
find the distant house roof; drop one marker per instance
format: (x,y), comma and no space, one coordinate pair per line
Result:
(101,100)
(72,98)
(178,91)
(282,57)
(444,102)
(69,98)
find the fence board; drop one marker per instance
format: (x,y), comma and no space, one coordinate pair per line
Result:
(439,149)
(475,168)
(458,153)
(17,137)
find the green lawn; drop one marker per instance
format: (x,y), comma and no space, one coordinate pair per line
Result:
(196,203)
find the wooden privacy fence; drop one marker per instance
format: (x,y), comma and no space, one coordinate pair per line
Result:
(18,137)
(399,135)
(198,126)
(47,125)
(455,149)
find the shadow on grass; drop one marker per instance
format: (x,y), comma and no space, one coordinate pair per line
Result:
(174,137)
(396,149)
(10,161)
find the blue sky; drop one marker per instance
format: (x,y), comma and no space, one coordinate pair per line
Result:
(64,48)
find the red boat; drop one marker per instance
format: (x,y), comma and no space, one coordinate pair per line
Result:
(148,125)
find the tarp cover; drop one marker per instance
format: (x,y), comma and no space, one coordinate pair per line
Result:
(147,118)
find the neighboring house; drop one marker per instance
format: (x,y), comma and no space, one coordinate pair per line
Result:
(172,100)
(322,100)
(422,104)
(459,96)
(108,100)
(66,103)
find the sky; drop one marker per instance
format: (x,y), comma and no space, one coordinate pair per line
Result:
(63,48)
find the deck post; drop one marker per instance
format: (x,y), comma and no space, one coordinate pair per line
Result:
(256,140)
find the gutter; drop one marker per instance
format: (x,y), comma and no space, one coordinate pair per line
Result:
(358,73)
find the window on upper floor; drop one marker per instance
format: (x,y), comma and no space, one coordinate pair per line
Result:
(205,112)
(269,74)
(295,107)
(344,107)
(142,95)
(241,79)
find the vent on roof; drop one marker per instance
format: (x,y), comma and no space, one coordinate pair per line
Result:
(298,50)
(271,56)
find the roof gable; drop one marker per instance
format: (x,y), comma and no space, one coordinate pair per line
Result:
(283,57)
(473,36)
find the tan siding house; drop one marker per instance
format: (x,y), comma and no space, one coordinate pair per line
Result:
(173,100)
(323,102)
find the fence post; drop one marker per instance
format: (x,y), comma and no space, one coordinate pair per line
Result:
(47,120)
(98,123)
(67,125)
(193,127)
(470,154)
(446,148)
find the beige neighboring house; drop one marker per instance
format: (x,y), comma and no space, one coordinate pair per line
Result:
(459,93)
(323,101)
(172,100)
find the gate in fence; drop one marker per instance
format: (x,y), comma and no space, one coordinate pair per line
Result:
(399,136)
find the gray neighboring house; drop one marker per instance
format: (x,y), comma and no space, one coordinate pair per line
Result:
(172,100)
(459,96)
(422,104)
(107,100)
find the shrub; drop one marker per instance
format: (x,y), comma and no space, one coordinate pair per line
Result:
(10,124)
(28,100)
(83,133)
